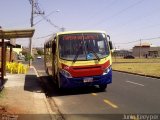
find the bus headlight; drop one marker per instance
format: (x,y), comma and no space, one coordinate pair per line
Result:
(106,71)
(65,73)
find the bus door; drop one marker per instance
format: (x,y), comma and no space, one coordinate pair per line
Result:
(54,59)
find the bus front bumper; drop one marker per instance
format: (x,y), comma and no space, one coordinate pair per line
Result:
(81,81)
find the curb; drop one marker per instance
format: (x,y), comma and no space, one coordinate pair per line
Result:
(51,113)
(137,74)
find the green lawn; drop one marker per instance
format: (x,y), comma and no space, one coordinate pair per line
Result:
(137,60)
(140,66)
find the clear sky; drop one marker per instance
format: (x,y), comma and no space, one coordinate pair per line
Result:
(124,20)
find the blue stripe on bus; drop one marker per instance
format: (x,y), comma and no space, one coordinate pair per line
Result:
(78,82)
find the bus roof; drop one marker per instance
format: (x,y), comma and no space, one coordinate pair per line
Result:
(71,32)
(89,31)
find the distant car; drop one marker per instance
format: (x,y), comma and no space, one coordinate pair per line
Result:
(39,57)
(129,57)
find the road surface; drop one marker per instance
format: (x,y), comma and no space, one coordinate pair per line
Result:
(128,94)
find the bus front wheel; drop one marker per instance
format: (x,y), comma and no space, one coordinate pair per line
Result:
(103,87)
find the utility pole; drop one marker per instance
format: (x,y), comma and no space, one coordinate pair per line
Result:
(34,10)
(140,48)
(30,39)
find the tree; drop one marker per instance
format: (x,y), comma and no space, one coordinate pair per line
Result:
(40,52)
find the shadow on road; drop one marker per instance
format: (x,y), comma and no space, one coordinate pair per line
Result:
(51,90)
(32,84)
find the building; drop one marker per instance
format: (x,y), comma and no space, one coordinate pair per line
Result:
(141,50)
(17,48)
(154,52)
(122,53)
(145,50)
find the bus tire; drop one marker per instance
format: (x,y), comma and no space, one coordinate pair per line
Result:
(103,87)
(46,70)
(58,81)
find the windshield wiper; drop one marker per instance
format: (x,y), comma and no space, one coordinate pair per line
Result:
(77,54)
(92,51)
(95,54)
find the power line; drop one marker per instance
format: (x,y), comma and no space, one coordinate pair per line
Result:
(138,18)
(38,11)
(120,12)
(123,10)
(46,16)
(148,39)
(128,42)
(50,22)
(47,19)
(100,11)
(139,29)
(44,36)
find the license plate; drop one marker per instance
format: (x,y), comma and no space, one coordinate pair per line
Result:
(88,79)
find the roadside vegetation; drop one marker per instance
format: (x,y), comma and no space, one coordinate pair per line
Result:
(36,52)
(148,67)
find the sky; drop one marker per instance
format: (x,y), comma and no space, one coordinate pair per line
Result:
(126,21)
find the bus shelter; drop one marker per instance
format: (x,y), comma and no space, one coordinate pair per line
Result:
(8,35)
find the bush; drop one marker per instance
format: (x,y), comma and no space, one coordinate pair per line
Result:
(28,57)
(40,52)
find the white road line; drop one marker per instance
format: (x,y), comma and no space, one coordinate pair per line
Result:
(135,83)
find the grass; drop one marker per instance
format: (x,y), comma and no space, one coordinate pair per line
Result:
(137,60)
(149,67)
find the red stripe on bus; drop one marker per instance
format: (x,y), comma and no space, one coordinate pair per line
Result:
(88,70)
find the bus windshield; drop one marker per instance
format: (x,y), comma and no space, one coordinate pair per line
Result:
(83,46)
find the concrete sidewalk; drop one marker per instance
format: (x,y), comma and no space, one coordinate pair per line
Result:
(22,95)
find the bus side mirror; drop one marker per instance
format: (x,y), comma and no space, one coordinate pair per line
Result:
(110,45)
(108,37)
(54,48)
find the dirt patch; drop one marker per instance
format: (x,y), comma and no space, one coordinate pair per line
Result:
(8,114)
(2,110)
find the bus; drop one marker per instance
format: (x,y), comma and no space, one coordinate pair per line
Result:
(79,58)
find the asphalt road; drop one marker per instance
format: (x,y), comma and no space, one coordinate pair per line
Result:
(128,94)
